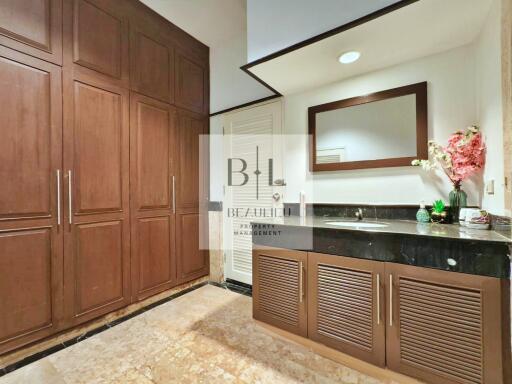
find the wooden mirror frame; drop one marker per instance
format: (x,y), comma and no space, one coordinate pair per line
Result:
(418,89)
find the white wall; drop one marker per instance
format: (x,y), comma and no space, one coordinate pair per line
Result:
(489,106)
(273,25)
(451,104)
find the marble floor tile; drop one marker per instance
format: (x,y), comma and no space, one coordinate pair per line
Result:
(205,336)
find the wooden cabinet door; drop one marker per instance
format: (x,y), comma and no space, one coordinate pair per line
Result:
(30,227)
(191,84)
(444,327)
(96,165)
(152,136)
(96,38)
(346,305)
(192,156)
(192,257)
(191,225)
(279,288)
(151,63)
(33,27)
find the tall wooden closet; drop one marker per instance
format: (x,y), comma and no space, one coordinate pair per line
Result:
(103,104)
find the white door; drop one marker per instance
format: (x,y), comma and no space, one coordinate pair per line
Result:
(252,137)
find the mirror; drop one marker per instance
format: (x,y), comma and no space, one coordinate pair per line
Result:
(382,129)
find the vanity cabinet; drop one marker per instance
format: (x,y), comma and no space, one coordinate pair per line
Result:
(439,326)
(345,307)
(443,327)
(279,289)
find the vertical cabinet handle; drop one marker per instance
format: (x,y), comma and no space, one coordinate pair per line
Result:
(173,194)
(390,300)
(378,299)
(301,281)
(70,203)
(58,197)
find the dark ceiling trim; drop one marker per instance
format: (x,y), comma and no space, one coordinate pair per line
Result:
(324,35)
(245,105)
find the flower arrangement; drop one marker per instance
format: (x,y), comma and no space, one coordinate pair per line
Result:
(461,158)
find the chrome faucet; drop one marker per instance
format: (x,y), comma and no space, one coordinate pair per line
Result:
(359,214)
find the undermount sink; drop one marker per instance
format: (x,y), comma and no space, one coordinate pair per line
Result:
(356,224)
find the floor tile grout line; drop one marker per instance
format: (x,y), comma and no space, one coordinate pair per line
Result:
(68,343)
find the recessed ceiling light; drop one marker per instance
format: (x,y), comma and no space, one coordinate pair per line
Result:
(349,57)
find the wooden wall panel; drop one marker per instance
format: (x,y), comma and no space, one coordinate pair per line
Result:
(33,27)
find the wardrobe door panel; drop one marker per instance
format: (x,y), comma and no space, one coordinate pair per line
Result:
(192,261)
(99,265)
(153,132)
(26,145)
(98,149)
(155,260)
(190,84)
(100,37)
(152,136)
(30,227)
(190,128)
(96,164)
(25,286)
(152,65)
(33,27)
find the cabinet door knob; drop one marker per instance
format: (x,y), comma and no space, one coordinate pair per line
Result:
(451,262)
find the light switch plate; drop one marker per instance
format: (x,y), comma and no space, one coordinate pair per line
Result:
(490,187)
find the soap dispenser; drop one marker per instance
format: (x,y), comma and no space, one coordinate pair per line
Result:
(422,215)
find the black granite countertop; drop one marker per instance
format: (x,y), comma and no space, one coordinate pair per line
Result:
(405,227)
(447,247)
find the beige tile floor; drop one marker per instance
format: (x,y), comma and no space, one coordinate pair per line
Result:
(205,336)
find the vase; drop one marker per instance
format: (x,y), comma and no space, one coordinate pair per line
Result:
(458,199)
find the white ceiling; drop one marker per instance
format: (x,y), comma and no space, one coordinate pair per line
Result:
(273,25)
(420,29)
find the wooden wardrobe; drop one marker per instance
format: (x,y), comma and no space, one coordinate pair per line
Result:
(104,104)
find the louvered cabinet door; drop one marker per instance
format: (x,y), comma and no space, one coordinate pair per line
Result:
(279,288)
(346,305)
(444,327)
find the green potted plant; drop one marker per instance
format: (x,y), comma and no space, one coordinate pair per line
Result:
(438,214)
